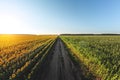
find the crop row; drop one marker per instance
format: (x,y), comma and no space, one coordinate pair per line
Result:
(17,60)
(101,54)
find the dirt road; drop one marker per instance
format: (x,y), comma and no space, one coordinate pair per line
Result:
(58,65)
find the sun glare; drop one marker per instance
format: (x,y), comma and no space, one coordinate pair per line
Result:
(9,25)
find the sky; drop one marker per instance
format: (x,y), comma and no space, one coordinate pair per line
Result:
(59,16)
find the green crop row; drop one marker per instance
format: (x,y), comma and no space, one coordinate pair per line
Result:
(101,54)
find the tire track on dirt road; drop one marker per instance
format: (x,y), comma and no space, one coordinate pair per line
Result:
(58,65)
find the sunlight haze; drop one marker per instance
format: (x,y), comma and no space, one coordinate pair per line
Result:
(59,16)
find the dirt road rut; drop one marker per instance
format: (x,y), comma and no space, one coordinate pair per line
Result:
(58,65)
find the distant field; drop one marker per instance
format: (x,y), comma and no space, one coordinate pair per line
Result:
(101,54)
(7,40)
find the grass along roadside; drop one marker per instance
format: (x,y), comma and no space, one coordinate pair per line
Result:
(84,70)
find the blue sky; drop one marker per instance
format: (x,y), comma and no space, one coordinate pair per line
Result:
(59,16)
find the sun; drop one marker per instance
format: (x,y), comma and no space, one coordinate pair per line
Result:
(9,24)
